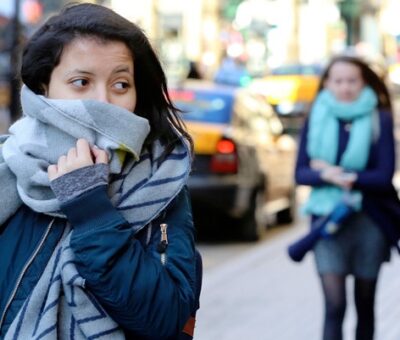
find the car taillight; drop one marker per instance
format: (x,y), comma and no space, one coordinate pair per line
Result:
(225,160)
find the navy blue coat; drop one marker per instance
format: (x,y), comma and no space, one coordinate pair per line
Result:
(149,298)
(380,200)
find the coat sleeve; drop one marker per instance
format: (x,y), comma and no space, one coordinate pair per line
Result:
(304,175)
(148,298)
(379,174)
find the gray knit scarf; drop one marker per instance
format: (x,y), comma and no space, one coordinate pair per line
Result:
(60,307)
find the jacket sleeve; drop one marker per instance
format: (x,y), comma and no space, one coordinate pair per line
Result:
(379,175)
(147,298)
(304,175)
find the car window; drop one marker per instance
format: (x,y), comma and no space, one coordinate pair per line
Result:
(252,112)
(297,70)
(203,105)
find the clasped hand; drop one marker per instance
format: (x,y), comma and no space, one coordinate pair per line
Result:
(334,174)
(77,157)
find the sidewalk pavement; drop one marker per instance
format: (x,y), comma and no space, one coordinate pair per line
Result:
(263,295)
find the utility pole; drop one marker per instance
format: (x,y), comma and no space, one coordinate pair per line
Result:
(14,105)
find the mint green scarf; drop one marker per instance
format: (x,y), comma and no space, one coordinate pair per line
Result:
(323,141)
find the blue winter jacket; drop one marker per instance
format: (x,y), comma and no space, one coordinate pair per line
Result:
(149,294)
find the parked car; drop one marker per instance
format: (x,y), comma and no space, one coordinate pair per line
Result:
(243,165)
(290,89)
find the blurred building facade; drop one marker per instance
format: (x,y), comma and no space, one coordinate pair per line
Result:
(259,33)
(264,33)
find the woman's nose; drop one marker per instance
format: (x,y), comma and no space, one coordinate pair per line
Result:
(102,95)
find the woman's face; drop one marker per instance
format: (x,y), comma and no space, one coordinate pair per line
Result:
(345,81)
(93,69)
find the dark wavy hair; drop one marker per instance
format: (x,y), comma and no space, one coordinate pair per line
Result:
(370,78)
(43,51)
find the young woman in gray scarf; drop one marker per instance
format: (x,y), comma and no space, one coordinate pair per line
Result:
(96,235)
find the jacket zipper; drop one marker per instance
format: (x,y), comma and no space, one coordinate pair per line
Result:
(162,246)
(21,275)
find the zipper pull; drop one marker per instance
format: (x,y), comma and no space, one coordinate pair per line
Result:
(162,246)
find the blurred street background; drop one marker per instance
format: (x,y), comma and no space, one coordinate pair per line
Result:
(245,73)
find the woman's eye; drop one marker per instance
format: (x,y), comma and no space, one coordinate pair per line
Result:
(121,85)
(80,82)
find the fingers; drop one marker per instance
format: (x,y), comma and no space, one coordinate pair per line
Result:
(318,164)
(52,172)
(72,153)
(62,163)
(346,180)
(77,157)
(342,180)
(100,156)
(83,150)
(334,174)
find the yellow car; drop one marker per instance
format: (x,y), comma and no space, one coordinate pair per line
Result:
(290,89)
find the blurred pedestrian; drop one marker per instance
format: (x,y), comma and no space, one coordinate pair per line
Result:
(194,72)
(347,146)
(96,234)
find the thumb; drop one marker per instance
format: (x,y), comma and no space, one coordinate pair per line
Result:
(100,156)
